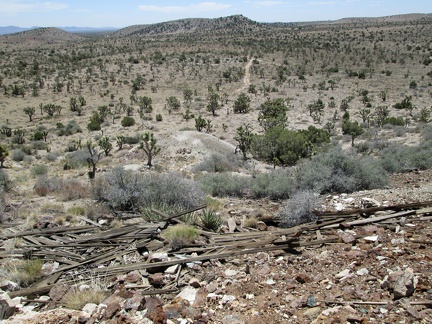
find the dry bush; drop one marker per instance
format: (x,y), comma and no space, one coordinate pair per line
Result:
(179,235)
(74,189)
(81,294)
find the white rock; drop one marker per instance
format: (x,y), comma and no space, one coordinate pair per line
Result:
(270,282)
(227,298)
(398,241)
(343,274)
(188,293)
(230,272)
(89,308)
(172,270)
(372,238)
(250,296)
(363,272)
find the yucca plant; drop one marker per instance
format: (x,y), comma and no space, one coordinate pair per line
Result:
(210,220)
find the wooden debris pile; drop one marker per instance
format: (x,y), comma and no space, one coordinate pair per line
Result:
(91,250)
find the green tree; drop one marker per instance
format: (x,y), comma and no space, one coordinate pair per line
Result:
(273,113)
(213,103)
(173,103)
(381,114)
(244,138)
(352,128)
(95,122)
(105,144)
(187,96)
(145,104)
(200,123)
(242,104)
(149,146)
(29,111)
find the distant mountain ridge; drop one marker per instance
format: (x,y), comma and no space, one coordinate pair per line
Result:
(230,24)
(72,29)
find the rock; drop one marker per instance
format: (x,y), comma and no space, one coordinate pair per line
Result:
(136,303)
(401,283)
(212,287)
(155,311)
(312,313)
(156,279)
(89,308)
(372,238)
(189,294)
(7,306)
(158,257)
(362,272)
(58,291)
(369,203)
(230,273)
(232,319)
(343,274)
(172,270)
(303,278)
(178,308)
(346,237)
(264,270)
(261,226)
(194,282)
(9,285)
(227,298)
(232,224)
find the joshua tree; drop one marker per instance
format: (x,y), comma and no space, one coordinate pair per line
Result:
(244,138)
(213,104)
(30,111)
(105,145)
(149,147)
(3,154)
(93,159)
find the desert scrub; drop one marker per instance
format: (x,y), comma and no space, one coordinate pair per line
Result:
(179,235)
(278,184)
(26,272)
(128,190)
(80,295)
(298,209)
(224,184)
(5,182)
(39,170)
(77,210)
(217,162)
(337,171)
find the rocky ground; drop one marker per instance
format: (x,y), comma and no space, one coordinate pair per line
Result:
(375,273)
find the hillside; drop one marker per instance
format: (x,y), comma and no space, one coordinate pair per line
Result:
(217,170)
(43,35)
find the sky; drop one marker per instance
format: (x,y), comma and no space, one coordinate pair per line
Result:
(109,13)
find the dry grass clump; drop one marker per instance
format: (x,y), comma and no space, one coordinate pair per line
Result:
(81,294)
(25,272)
(179,235)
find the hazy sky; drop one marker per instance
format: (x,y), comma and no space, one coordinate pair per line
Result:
(104,13)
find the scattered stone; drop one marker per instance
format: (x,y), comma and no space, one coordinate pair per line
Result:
(312,313)
(373,238)
(261,226)
(156,279)
(7,307)
(362,272)
(9,285)
(303,278)
(343,274)
(172,270)
(194,282)
(227,298)
(230,273)
(189,294)
(346,236)
(401,283)
(369,203)
(232,319)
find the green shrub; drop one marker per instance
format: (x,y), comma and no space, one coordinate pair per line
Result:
(38,170)
(78,158)
(5,182)
(128,121)
(217,162)
(403,158)
(337,171)
(278,184)
(299,209)
(71,128)
(18,155)
(127,190)
(210,220)
(395,121)
(224,184)
(95,122)
(159,117)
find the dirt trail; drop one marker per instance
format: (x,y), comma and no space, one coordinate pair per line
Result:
(246,79)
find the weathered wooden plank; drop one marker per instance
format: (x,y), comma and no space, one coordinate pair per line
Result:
(374,219)
(49,231)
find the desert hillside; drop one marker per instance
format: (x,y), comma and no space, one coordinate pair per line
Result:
(217,170)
